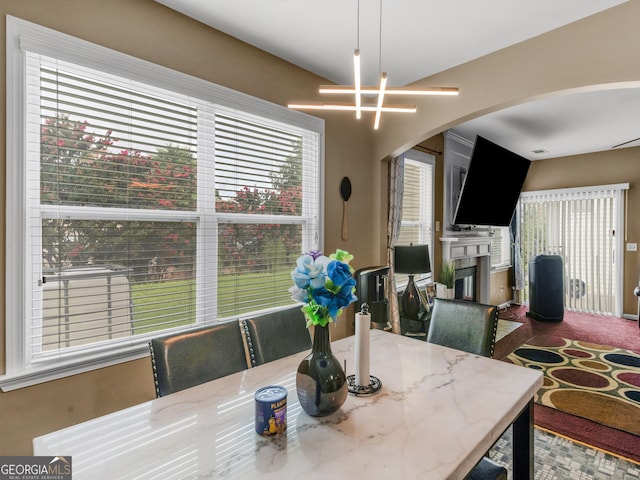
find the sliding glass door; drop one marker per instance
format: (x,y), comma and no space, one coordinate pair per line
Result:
(584,226)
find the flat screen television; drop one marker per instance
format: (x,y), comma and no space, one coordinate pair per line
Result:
(491,186)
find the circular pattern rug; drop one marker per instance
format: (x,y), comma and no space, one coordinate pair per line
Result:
(596,382)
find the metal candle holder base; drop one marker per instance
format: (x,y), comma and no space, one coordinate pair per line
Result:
(374,386)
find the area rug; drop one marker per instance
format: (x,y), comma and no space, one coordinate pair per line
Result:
(596,382)
(505,327)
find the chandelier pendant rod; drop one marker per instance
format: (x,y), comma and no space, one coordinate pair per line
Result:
(381,91)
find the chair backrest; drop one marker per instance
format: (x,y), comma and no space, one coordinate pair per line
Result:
(275,335)
(464,325)
(197,356)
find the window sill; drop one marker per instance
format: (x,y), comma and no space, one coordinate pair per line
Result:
(501,268)
(50,372)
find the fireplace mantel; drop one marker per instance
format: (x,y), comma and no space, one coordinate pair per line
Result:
(454,248)
(468,247)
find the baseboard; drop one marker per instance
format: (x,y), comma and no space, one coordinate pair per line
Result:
(507,304)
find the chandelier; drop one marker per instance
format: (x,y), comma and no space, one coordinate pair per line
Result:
(381,91)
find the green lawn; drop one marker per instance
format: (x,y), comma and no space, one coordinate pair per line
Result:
(171,303)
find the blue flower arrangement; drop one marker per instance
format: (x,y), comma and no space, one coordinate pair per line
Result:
(324,284)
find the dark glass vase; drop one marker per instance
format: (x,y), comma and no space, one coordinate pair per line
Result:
(321,383)
(410,300)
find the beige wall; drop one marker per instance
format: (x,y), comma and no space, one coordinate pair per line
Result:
(501,291)
(594,51)
(603,168)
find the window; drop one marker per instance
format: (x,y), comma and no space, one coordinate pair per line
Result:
(143,201)
(500,247)
(417,203)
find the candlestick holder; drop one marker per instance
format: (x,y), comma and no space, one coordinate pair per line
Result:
(359,390)
(362,383)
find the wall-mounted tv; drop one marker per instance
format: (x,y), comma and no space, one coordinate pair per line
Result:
(491,187)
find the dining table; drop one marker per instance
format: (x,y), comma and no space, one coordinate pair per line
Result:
(437,413)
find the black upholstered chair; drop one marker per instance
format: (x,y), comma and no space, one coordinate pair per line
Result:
(197,356)
(463,325)
(275,335)
(487,469)
(471,327)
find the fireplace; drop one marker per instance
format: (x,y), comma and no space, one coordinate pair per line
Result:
(465,287)
(471,256)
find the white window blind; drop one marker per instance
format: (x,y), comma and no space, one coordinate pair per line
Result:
(583,226)
(500,247)
(147,209)
(265,218)
(116,164)
(417,203)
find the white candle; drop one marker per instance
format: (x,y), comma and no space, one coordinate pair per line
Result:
(363,327)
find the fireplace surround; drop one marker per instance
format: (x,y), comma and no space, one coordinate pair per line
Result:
(472,258)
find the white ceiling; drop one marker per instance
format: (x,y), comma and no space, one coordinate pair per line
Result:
(320,36)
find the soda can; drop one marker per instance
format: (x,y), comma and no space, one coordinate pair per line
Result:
(271,410)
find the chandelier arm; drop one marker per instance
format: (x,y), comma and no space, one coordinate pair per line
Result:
(358,90)
(351,107)
(371,90)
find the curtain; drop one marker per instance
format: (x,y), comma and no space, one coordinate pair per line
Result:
(518,272)
(396,184)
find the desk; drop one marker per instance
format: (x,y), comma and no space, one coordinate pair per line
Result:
(438,412)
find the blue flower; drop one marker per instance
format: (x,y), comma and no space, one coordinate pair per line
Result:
(310,271)
(300,295)
(324,284)
(339,273)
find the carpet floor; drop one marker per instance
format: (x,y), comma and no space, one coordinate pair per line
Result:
(597,382)
(605,330)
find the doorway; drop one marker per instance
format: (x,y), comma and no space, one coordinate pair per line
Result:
(581,225)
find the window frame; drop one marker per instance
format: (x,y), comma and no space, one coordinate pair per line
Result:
(23,36)
(426,223)
(506,260)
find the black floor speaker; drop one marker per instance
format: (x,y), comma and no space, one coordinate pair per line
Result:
(546,289)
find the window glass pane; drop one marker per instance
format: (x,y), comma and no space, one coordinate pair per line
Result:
(109,279)
(411,206)
(409,234)
(258,168)
(105,145)
(255,263)
(500,247)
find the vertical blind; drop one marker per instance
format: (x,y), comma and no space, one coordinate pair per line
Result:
(583,226)
(151,210)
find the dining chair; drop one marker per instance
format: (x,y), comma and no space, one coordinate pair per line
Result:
(464,325)
(196,356)
(471,327)
(275,335)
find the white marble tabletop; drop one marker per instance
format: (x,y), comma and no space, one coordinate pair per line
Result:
(439,410)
